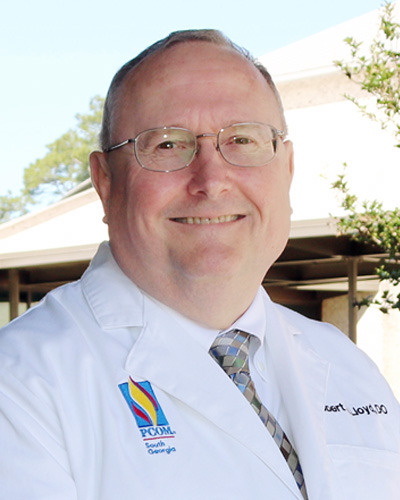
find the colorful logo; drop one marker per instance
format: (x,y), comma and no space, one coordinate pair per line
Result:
(143,403)
(153,426)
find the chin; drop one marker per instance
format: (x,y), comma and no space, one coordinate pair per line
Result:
(206,269)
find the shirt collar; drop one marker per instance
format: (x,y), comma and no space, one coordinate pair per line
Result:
(253,321)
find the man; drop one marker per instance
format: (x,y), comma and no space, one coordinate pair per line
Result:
(108,388)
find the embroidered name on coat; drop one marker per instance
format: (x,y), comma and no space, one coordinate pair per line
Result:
(369,409)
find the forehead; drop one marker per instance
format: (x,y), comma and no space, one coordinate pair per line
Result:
(191,74)
(190,57)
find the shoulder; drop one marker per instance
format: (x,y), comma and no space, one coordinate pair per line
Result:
(48,327)
(56,304)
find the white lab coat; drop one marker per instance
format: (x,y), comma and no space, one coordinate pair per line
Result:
(68,433)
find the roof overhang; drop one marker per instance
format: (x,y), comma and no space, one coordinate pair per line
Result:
(315,262)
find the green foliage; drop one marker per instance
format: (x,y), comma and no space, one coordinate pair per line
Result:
(377,71)
(67,162)
(11,206)
(367,222)
(65,165)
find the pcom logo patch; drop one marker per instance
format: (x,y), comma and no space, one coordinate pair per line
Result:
(149,416)
(143,403)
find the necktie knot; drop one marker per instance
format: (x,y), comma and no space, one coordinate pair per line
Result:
(231,351)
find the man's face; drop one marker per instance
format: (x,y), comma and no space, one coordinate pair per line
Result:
(241,214)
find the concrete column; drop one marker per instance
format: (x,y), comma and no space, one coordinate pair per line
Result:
(13,282)
(352,297)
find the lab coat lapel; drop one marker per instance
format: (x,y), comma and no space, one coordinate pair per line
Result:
(302,377)
(192,376)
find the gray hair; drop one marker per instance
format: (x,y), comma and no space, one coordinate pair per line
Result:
(207,35)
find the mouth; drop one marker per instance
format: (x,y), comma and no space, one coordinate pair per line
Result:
(207,220)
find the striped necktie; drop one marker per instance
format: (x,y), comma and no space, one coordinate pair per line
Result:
(231,352)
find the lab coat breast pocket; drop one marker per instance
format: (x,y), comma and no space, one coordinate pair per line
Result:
(366,472)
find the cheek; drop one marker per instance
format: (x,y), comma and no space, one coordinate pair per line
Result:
(274,210)
(138,202)
(123,203)
(271,193)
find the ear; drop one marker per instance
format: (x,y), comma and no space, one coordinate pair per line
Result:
(288,145)
(101,178)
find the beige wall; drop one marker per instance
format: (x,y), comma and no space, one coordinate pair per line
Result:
(378,335)
(5,312)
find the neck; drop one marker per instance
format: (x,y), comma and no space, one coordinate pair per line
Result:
(215,300)
(215,306)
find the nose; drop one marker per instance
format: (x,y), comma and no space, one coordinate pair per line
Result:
(209,171)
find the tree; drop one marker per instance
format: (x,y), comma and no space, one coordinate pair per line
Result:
(11,206)
(67,162)
(65,165)
(377,71)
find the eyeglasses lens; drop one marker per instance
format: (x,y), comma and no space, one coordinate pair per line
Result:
(248,144)
(165,149)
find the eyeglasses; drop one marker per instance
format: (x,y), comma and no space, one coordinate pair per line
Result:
(168,149)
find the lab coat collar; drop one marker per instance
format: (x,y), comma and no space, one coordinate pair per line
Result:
(115,301)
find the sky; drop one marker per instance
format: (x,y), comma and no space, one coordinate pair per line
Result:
(55,56)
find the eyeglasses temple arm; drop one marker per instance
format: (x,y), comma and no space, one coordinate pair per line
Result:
(119,145)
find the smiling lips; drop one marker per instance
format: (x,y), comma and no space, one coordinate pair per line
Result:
(207,220)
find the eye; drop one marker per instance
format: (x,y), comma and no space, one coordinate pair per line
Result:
(167,145)
(241,140)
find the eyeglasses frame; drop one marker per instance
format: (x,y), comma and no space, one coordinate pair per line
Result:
(276,132)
